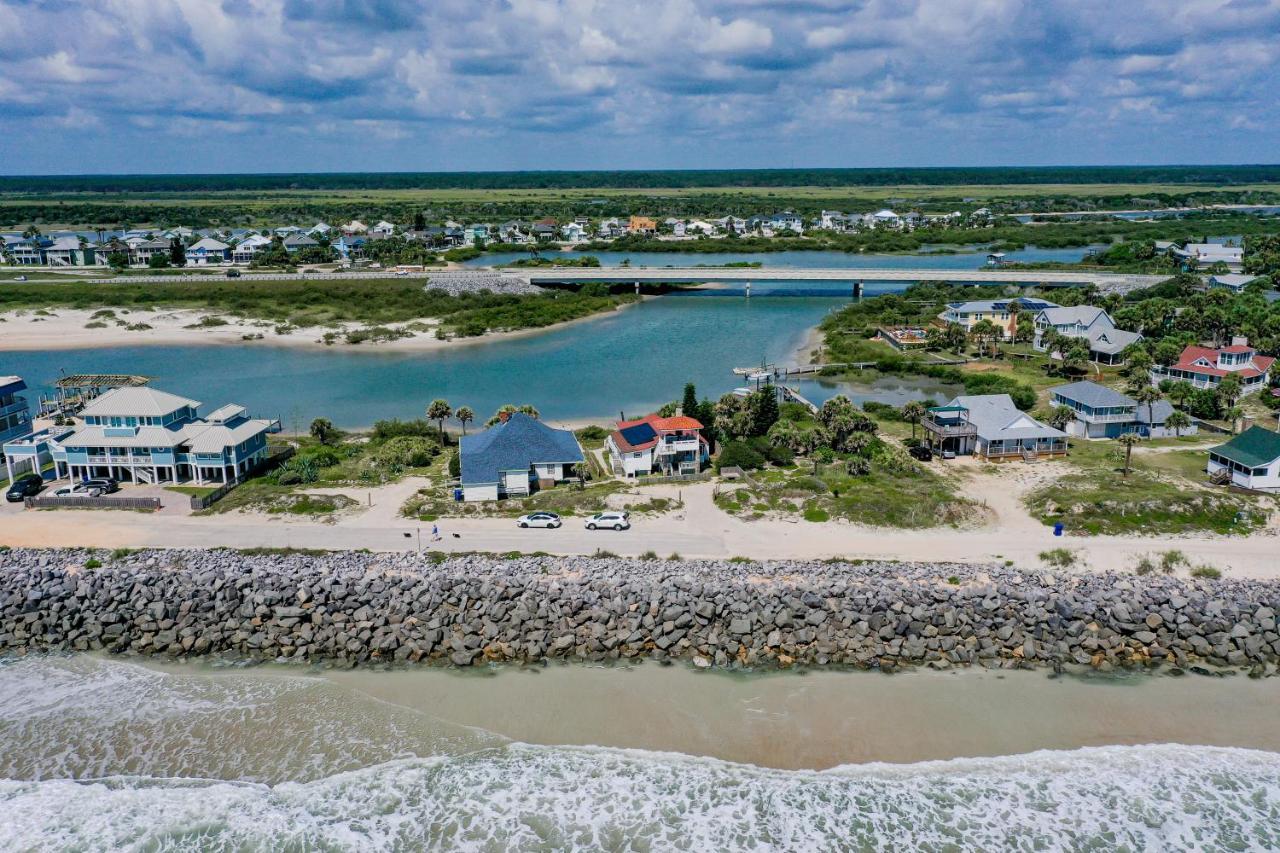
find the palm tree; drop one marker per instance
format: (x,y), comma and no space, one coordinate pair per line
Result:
(1149,396)
(1076,358)
(1233,416)
(1177,421)
(913,413)
(1180,392)
(464,414)
(438,411)
(1127,441)
(1061,417)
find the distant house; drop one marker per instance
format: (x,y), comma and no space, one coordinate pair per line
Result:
(513,231)
(787,220)
(145,250)
(26,252)
(208,251)
(610,228)
(247,249)
(1002,312)
(355,226)
(320,229)
(698,226)
(544,232)
(1206,368)
(472,233)
(673,445)
(882,219)
(298,242)
(383,229)
(641,225)
(1208,254)
(1250,460)
(1106,342)
(573,232)
(1234,282)
(990,426)
(1102,412)
(731,224)
(515,457)
(68,252)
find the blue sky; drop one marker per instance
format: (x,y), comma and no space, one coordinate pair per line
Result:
(356,85)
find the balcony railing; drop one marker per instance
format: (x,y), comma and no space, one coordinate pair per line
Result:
(666,448)
(949,429)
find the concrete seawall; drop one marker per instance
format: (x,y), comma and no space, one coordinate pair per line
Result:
(356,608)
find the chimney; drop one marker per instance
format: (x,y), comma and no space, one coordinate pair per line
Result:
(1239,341)
(504,416)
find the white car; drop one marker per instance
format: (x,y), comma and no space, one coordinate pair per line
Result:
(540,519)
(76,491)
(611,520)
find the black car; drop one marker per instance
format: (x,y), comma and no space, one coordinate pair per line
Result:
(921,453)
(233,273)
(104,485)
(24,487)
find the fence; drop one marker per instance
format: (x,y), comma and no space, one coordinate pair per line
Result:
(674,478)
(275,460)
(89,502)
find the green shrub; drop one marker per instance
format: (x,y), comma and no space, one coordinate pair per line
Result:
(1059,558)
(1144,566)
(405,452)
(740,454)
(1172,560)
(455,465)
(93,563)
(1206,572)
(816,514)
(383,430)
(781,456)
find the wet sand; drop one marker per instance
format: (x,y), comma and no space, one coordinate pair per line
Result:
(818,720)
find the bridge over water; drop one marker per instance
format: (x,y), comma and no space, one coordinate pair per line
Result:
(1046,278)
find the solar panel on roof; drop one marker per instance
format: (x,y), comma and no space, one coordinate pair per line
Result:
(639,434)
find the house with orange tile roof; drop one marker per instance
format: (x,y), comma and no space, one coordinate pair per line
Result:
(1205,367)
(642,225)
(657,445)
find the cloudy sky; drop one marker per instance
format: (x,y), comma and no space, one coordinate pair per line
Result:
(346,85)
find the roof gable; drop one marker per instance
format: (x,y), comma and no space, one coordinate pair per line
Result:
(1254,448)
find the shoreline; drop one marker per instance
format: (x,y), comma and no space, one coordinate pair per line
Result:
(64,329)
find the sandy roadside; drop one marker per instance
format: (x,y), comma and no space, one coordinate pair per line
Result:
(65,329)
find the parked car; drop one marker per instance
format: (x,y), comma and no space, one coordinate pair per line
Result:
(79,490)
(614,520)
(24,487)
(540,519)
(233,273)
(104,485)
(948,454)
(921,453)
(21,278)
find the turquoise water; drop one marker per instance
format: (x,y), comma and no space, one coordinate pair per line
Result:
(633,360)
(965,260)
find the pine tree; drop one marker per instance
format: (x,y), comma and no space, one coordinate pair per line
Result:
(689,405)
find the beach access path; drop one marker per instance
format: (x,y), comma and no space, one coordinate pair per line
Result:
(698,529)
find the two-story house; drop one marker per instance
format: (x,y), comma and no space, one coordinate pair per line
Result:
(145,435)
(1204,367)
(1106,343)
(1002,312)
(208,251)
(1102,412)
(990,426)
(669,446)
(15,416)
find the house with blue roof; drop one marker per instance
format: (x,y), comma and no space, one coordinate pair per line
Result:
(516,457)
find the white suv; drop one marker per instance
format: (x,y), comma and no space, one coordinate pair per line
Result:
(613,520)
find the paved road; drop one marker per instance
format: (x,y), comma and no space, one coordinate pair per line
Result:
(699,530)
(708,274)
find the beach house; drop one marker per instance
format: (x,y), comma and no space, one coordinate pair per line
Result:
(1102,412)
(145,435)
(208,251)
(15,415)
(515,457)
(668,446)
(1206,367)
(1002,312)
(1208,254)
(1085,322)
(1234,282)
(990,426)
(1250,460)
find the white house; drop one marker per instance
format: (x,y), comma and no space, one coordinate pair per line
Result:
(990,426)
(673,445)
(1208,254)
(573,232)
(1206,368)
(249,247)
(883,219)
(208,251)
(1250,460)
(383,229)
(1106,342)
(355,226)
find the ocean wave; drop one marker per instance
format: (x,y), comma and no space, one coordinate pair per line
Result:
(524,797)
(82,717)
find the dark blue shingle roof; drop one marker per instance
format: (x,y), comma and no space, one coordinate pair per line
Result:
(516,445)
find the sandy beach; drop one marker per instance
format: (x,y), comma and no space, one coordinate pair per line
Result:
(68,329)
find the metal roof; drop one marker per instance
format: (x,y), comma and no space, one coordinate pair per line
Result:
(518,444)
(136,402)
(1253,448)
(1093,395)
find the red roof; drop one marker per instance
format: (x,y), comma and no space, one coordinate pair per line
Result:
(660,425)
(1259,365)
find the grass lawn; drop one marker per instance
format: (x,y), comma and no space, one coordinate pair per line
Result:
(1165,493)
(566,499)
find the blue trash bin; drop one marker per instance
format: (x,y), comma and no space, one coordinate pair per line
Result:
(1057,529)
(457,494)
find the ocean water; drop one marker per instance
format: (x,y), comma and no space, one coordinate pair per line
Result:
(108,755)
